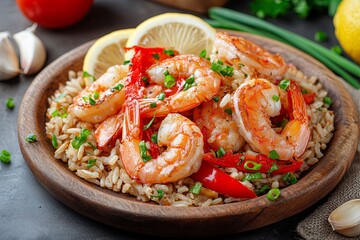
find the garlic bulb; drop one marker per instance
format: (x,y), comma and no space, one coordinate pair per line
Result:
(9,61)
(32,50)
(346,218)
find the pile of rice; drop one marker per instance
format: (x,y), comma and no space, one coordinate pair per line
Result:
(108,171)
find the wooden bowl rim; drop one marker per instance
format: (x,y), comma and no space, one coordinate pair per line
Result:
(74,190)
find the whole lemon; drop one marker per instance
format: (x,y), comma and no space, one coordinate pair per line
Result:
(347,27)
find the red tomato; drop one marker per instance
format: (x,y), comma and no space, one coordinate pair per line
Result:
(54,13)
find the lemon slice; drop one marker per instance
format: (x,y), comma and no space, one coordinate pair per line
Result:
(106,52)
(182,32)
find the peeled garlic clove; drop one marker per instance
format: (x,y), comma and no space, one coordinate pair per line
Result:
(32,50)
(346,218)
(9,61)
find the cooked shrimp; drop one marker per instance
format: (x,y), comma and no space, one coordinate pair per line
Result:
(181,138)
(248,57)
(100,100)
(205,85)
(109,130)
(254,105)
(218,126)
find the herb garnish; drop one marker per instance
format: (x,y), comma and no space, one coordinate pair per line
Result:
(10,103)
(5,156)
(79,140)
(31,138)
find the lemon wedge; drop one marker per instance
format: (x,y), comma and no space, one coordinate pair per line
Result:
(106,52)
(182,32)
(347,27)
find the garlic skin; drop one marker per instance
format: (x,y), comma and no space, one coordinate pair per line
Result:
(346,218)
(32,50)
(9,61)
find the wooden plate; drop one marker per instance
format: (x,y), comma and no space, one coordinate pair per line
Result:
(123,211)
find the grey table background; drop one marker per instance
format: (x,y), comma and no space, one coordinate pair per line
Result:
(27,211)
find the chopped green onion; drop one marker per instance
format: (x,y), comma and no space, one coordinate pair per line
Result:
(169,52)
(10,103)
(273,194)
(327,100)
(216,66)
(189,82)
(149,123)
(143,150)
(159,195)
(54,141)
(228,111)
(91,163)
(273,154)
(61,96)
(196,188)
(57,113)
(31,138)
(126,62)
(216,99)
(251,176)
(284,84)
(262,190)
(118,87)
(320,36)
(145,80)
(79,140)
(86,74)
(5,156)
(169,80)
(275,98)
(161,96)
(96,95)
(336,49)
(92,101)
(251,165)
(156,56)
(154,138)
(203,53)
(222,69)
(290,178)
(92,145)
(153,105)
(220,152)
(89,99)
(273,168)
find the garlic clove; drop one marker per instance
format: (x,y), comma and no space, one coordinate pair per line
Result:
(9,61)
(350,232)
(32,50)
(346,218)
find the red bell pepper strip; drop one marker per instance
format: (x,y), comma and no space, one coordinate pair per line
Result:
(293,167)
(218,181)
(235,161)
(140,62)
(309,98)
